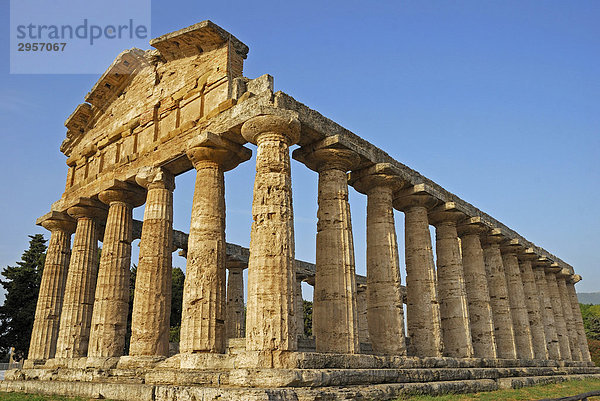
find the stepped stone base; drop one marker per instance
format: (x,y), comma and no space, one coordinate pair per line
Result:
(302,376)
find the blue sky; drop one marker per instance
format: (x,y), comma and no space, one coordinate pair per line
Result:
(497,101)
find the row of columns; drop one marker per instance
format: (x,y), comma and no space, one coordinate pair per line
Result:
(488,297)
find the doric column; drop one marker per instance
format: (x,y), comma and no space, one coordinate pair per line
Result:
(152,298)
(552,346)
(423,311)
(385,310)
(532,300)
(334,298)
(78,301)
(271,319)
(361,307)
(204,291)
(503,325)
(561,278)
(518,308)
(582,339)
(52,286)
(111,301)
(476,285)
(234,323)
(559,318)
(454,313)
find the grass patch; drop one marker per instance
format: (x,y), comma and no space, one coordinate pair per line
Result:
(555,390)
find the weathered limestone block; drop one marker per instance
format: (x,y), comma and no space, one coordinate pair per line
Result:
(518,308)
(546,305)
(204,292)
(234,323)
(583,345)
(76,314)
(271,319)
(152,298)
(111,301)
(559,319)
(385,310)
(361,307)
(335,279)
(423,310)
(476,286)
(561,278)
(47,313)
(452,295)
(503,325)
(534,309)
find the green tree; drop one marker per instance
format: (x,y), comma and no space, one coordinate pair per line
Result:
(176,303)
(591,320)
(308,309)
(22,285)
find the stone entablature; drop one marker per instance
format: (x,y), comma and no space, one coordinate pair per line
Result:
(490,303)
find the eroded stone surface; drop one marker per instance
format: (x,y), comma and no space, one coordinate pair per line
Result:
(152,297)
(423,309)
(476,285)
(503,326)
(271,320)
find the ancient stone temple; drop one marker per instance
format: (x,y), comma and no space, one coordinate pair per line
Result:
(490,310)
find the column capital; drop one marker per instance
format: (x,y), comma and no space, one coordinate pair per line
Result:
(527,254)
(60,221)
(541,262)
(511,246)
(553,268)
(471,226)
(378,175)
(575,278)
(492,238)
(329,159)
(123,191)
(87,207)
(286,127)
(445,213)
(563,273)
(211,148)
(417,195)
(155,177)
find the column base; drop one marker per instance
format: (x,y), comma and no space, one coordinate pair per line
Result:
(303,375)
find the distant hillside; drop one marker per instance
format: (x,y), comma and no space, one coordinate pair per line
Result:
(589,298)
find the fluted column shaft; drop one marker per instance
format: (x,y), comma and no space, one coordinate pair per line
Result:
(454,313)
(534,309)
(335,278)
(503,326)
(50,299)
(150,319)
(582,339)
(423,310)
(235,303)
(204,292)
(385,310)
(78,301)
(547,314)
(478,296)
(568,314)
(271,308)
(422,307)
(559,319)
(111,301)
(518,308)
